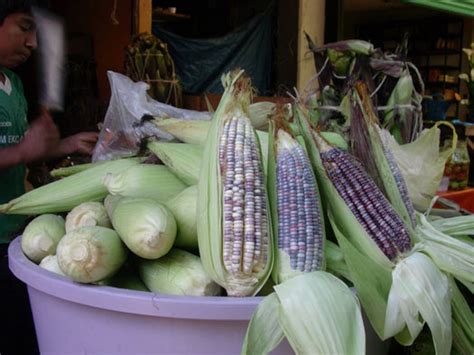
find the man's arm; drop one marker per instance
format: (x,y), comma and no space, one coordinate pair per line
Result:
(40,141)
(10,156)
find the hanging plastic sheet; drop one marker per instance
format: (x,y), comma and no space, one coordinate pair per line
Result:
(201,62)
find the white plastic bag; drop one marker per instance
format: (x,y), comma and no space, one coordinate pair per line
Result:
(123,129)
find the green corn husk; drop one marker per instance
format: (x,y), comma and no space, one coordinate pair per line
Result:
(127,278)
(421,163)
(110,202)
(177,273)
(147,227)
(316,312)
(210,198)
(411,306)
(41,236)
(463,322)
(401,95)
(145,180)
(184,209)
(87,214)
(73,169)
(451,255)
(184,160)
(63,195)
(456,226)
(91,254)
(335,263)
(380,283)
(335,139)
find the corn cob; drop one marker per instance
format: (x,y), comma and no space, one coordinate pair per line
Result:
(299,227)
(234,232)
(245,215)
(384,159)
(370,207)
(399,180)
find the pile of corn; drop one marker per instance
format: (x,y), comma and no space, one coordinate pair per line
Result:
(233,209)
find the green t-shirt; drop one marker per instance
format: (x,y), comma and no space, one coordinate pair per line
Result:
(13,124)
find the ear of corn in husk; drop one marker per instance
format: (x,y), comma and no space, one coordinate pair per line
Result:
(184,209)
(374,251)
(110,202)
(145,180)
(234,227)
(316,312)
(63,195)
(387,169)
(91,254)
(127,278)
(259,113)
(184,160)
(50,263)
(177,273)
(73,169)
(41,236)
(195,132)
(87,214)
(147,227)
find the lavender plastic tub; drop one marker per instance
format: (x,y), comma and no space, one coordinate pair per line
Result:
(71,318)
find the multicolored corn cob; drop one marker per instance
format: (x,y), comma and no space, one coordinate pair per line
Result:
(300,231)
(400,181)
(370,207)
(245,225)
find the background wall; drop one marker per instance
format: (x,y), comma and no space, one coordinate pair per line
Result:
(93,17)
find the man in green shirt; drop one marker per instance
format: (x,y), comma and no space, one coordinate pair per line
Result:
(21,144)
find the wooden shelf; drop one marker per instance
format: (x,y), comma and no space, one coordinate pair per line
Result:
(441,83)
(442,67)
(164,16)
(430,52)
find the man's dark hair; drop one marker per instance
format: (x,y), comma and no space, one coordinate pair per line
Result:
(8,7)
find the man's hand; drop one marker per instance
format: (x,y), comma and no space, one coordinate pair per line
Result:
(40,140)
(83,142)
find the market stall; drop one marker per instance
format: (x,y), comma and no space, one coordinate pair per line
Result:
(249,224)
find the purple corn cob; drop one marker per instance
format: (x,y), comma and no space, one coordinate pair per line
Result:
(368,204)
(300,232)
